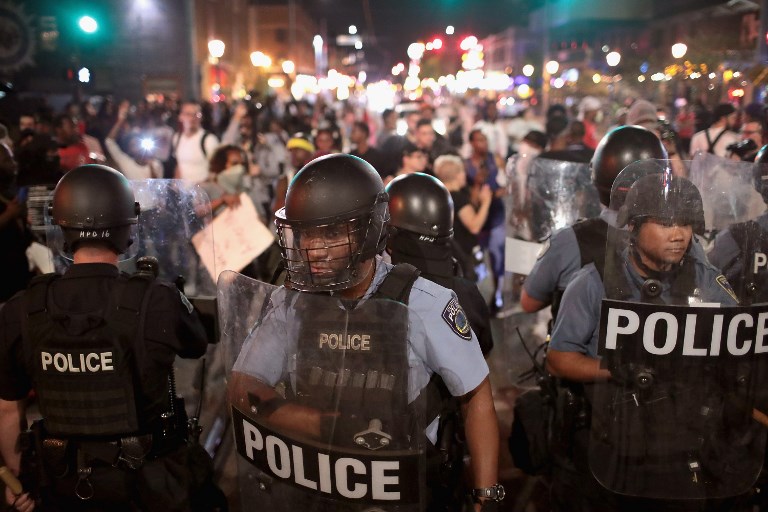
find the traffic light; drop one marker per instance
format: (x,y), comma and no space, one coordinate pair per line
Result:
(88,24)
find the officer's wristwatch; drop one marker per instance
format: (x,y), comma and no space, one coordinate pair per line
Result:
(493,493)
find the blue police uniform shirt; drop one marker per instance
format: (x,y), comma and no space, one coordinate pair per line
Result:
(438,342)
(577,325)
(559,262)
(725,249)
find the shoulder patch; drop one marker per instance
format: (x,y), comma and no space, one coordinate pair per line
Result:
(544,248)
(725,285)
(456,319)
(185,301)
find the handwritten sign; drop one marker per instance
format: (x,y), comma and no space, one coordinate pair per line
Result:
(234,238)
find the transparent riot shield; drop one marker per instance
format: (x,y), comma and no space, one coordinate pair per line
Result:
(728,190)
(741,250)
(544,195)
(680,416)
(323,414)
(173,214)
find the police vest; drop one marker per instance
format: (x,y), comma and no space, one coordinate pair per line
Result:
(682,281)
(84,366)
(591,236)
(372,374)
(747,273)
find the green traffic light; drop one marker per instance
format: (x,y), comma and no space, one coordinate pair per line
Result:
(88,24)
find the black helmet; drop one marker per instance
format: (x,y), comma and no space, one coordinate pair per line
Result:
(95,202)
(333,220)
(421,204)
(663,197)
(760,171)
(619,148)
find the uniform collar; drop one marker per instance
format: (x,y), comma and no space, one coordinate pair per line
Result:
(382,269)
(92,270)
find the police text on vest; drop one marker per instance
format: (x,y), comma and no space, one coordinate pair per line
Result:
(91,362)
(341,341)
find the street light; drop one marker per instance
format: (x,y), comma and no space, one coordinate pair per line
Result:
(216,49)
(613,59)
(288,67)
(679,50)
(528,69)
(260,60)
(449,30)
(552,67)
(352,30)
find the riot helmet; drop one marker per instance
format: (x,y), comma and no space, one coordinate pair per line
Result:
(665,198)
(619,148)
(760,172)
(332,222)
(94,203)
(420,204)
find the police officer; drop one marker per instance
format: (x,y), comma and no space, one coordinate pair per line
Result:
(331,230)
(740,250)
(421,234)
(656,266)
(98,346)
(573,247)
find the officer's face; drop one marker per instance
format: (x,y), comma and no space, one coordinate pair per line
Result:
(662,244)
(327,249)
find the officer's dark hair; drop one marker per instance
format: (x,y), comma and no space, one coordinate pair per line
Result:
(618,149)
(664,197)
(360,125)
(420,204)
(94,202)
(387,112)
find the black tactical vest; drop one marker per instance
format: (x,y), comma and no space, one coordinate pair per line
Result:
(354,361)
(84,366)
(746,274)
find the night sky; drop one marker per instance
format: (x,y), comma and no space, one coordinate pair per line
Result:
(397,23)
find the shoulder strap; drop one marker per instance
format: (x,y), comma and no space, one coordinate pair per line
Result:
(591,235)
(713,142)
(37,293)
(175,142)
(397,283)
(202,142)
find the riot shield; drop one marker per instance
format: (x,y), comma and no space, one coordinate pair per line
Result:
(727,188)
(323,413)
(544,196)
(678,417)
(740,250)
(172,213)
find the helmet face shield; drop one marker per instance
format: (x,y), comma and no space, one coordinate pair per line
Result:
(324,257)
